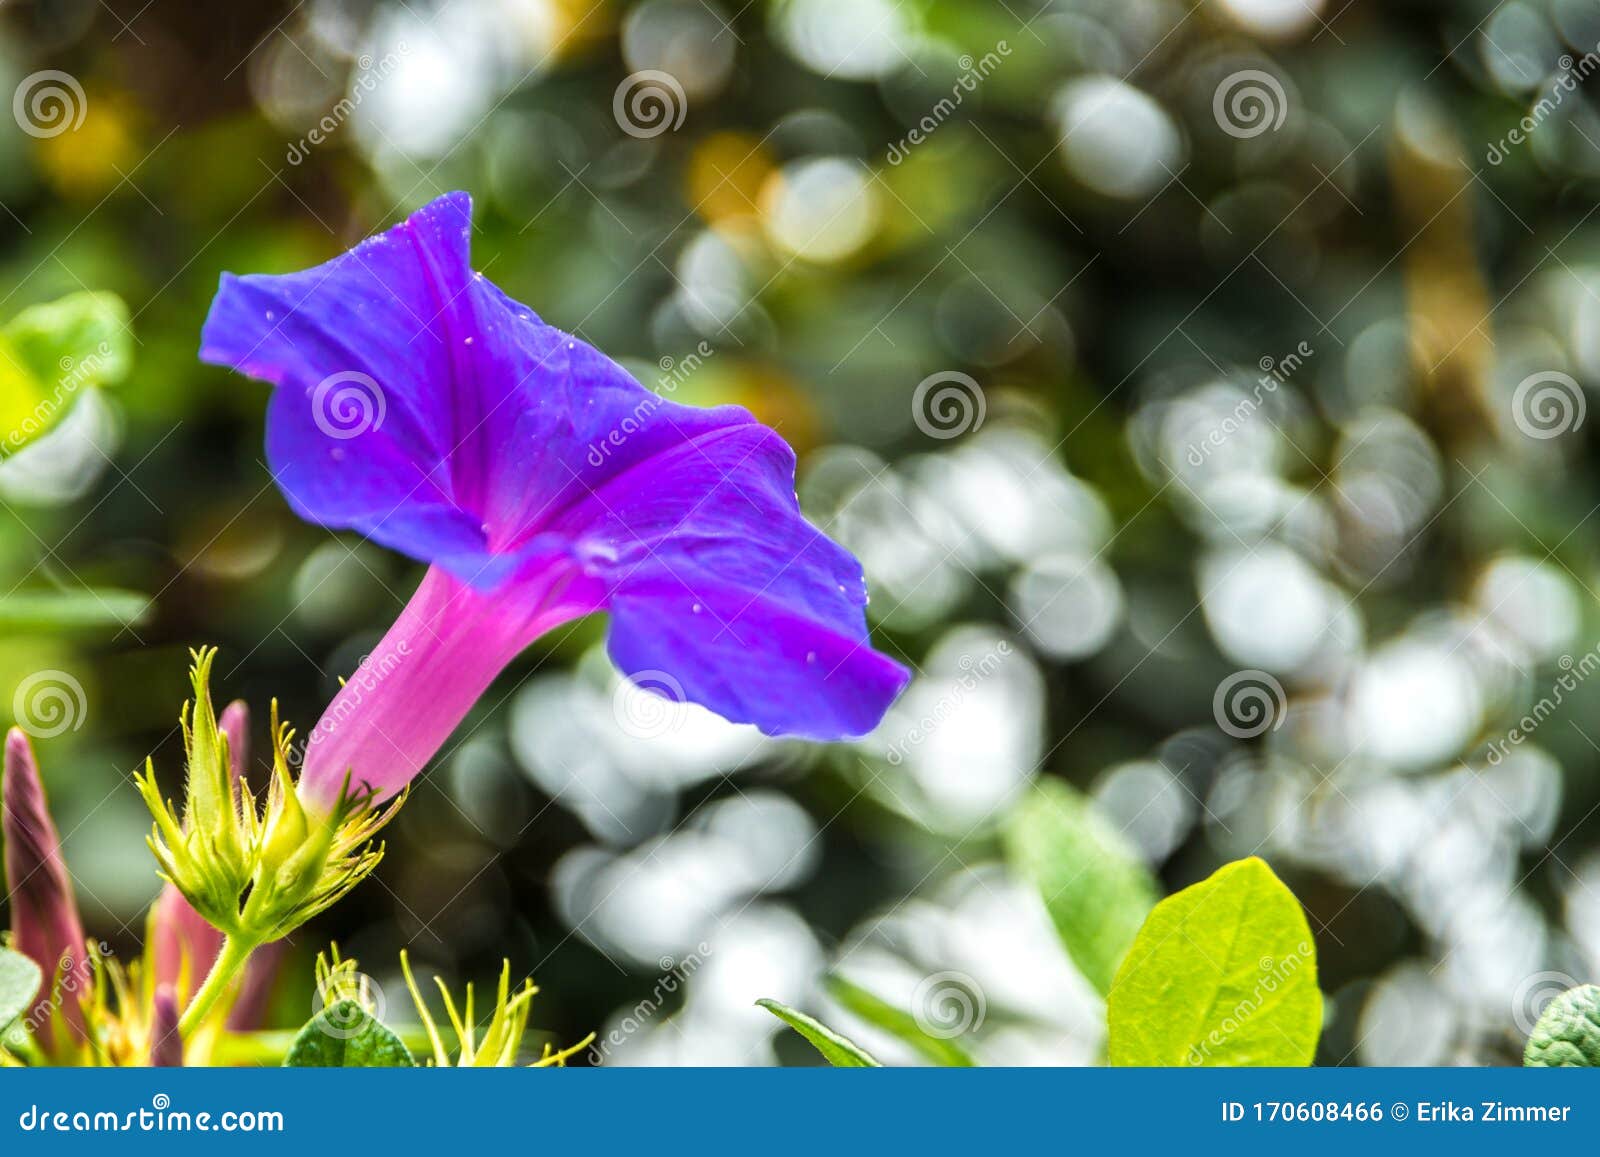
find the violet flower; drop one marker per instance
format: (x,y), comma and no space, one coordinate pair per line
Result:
(419,405)
(45,925)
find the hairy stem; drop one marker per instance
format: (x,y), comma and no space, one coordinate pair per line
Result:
(235,951)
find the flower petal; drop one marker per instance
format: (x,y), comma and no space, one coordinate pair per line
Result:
(384,389)
(756,613)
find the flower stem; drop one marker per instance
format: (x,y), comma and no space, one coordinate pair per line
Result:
(235,951)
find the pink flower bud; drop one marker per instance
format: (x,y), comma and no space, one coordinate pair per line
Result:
(166,1046)
(44,916)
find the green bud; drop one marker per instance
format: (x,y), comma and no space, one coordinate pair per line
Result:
(255,869)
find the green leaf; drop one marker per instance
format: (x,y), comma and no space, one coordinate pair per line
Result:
(42,611)
(1093,882)
(1222,973)
(1568,1033)
(940,1050)
(49,354)
(345,1035)
(838,1051)
(19,985)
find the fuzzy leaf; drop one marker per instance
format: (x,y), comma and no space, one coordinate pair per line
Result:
(19,985)
(345,1035)
(1568,1033)
(838,1051)
(1222,973)
(1093,883)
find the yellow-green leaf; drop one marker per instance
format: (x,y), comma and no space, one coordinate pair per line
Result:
(1222,973)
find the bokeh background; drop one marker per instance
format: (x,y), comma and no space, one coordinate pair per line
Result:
(1202,384)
